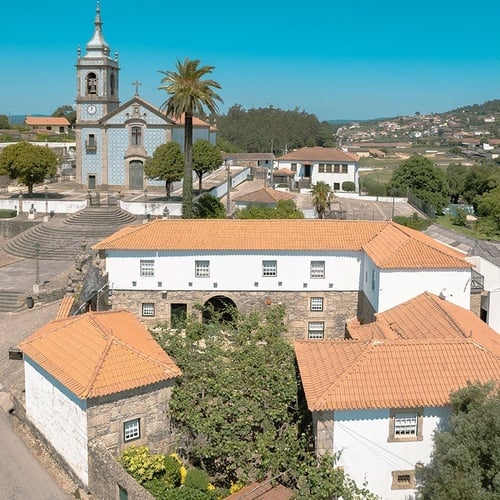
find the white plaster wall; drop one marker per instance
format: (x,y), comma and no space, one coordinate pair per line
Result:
(491,302)
(490,271)
(396,287)
(361,436)
(231,271)
(59,415)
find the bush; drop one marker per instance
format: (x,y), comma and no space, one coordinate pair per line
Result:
(141,464)
(348,186)
(197,479)
(460,218)
(7,213)
(413,222)
(172,474)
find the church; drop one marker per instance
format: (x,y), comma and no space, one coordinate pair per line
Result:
(113,140)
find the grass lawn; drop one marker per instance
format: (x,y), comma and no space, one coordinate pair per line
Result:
(473,231)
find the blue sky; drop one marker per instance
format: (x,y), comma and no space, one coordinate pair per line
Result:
(335,59)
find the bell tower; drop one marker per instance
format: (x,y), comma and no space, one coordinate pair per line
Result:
(97,77)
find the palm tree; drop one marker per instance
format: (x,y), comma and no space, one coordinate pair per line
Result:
(189,94)
(322,197)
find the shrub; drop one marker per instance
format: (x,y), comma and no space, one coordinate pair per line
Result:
(348,186)
(413,222)
(7,213)
(197,479)
(460,218)
(141,464)
(172,474)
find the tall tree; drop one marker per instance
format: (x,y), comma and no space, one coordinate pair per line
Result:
(465,462)
(206,158)
(189,94)
(322,196)
(166,164)
(455,177)
(423,179)
(67,111)
(4,122)
(209,207)
(27,163)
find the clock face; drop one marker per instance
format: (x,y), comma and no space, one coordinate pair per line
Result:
(91,109)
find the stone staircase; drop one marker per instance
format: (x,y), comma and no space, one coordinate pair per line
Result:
(11,301)
(59,239)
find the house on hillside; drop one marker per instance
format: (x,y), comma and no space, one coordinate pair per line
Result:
(254,160)
(379,398)
(51,124)
(97,377)
(314,164)
(323,271)
(264,197)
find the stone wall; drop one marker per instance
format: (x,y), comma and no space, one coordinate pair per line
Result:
(323,423)
(12,227)
(337,306)
(107,476)
(106,416)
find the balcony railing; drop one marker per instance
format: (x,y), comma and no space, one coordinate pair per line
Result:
(477,282)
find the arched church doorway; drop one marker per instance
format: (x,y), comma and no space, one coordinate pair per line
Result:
(136,174)
(221,307)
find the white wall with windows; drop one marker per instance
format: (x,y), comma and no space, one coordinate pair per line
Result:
(143,270)
(370,451)
(59,415)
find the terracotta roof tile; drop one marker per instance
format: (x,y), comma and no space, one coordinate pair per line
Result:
(65,307)
(265,195)
(351,374)
(390,245)
(427,316)
(46,120)
(318,153)
(97,354)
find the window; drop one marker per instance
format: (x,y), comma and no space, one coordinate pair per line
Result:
(269,268)
(148,309)
(344,169)
(336,168)
(147,267)
(91,144)
(328,169)
(131,430)
(91,83)
(202,269)
(373,279)
(317,269)
(136,136)
(178,315)
(315,330)
(405,425)
(403,480)
(336,186)
(316,303)
(293,167)
(321,168)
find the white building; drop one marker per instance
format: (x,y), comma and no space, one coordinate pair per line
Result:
(379,398)
(98,376)
(314,164)
(323,271)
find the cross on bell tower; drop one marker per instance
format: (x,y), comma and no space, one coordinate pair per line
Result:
(137,84)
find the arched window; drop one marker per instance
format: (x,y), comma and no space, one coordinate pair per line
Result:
(112,84)
(91,83)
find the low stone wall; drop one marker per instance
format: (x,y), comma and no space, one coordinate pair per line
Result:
(12,227)
(107,478)
(337,306)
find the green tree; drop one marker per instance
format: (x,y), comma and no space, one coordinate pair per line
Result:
(206,158)
(423,179)
(27,163)
(4,122)
(166,164)
(66,111)
(465,462)
(236,405)
(209,207)
(189,94)
(455,178)
(322,197)
(488,206)
(285,209)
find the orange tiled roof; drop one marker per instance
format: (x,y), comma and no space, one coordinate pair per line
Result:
(318,153)
(197,122)
(390,245)
(97,354)
(265,195)
(370,374)
(46,120)
(65,307)
(426,316)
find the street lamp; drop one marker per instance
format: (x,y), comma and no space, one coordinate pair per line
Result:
(46,191)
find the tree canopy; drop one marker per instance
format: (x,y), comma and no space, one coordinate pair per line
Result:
(465,462)
(272,130)
(27,163)
(166,164)
(322,196)
(206,158)
(285,209)
(209,207)
(67,111)
(419,175)
(237,408)
(189,93)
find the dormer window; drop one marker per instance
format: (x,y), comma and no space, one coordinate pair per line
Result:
(91,84)
(136,136)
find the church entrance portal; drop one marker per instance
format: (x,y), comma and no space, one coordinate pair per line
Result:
(136,174)
(220,306)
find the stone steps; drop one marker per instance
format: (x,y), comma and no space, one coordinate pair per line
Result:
(12,301)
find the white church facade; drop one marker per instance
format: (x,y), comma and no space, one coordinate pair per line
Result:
(114,140)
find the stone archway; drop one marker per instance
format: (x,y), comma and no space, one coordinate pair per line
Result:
(221,306)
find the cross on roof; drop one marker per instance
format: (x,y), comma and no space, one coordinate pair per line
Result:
(137,84)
